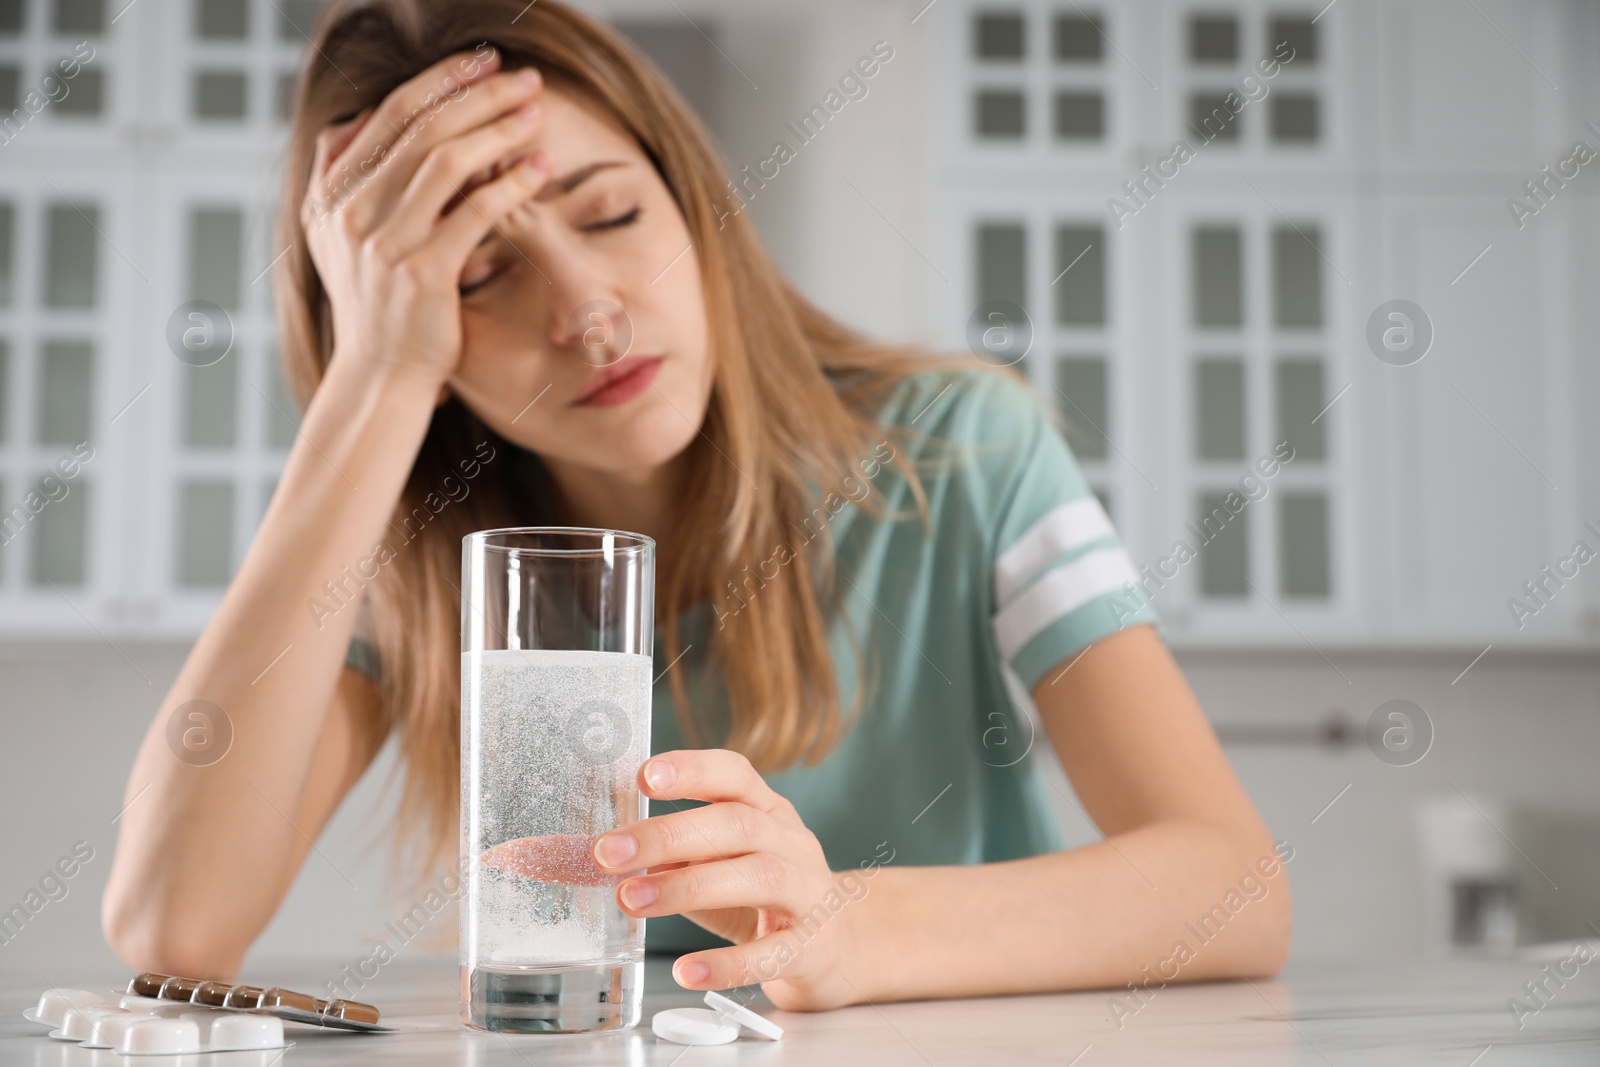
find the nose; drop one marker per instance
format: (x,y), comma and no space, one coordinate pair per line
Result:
(586,313)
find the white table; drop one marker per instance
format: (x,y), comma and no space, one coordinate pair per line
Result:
(1406,1013)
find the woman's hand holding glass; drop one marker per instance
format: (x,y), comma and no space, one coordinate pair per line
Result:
(745,867)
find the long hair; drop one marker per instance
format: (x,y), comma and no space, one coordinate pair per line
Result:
(791,412)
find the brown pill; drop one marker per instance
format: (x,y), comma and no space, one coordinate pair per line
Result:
(211,994)
(352,1011)
(148,984)
(179,988)
(288,998)
(243,996)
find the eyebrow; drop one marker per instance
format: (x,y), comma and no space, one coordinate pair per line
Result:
(561,186)
(571,180)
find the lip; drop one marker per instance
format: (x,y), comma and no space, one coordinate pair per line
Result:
(618,383)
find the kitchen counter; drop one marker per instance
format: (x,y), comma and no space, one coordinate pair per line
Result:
(1412,1013)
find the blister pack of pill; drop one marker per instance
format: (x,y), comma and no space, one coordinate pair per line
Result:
(166,1015)
(284,1003)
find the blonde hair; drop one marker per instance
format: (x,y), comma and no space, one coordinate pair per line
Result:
(790,410)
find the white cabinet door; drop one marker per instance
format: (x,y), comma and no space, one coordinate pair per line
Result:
(1480,444)
(1374,165)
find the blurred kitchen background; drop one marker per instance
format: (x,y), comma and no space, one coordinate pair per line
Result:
(1426,746)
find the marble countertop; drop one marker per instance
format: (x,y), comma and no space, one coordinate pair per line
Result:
(1412,1013)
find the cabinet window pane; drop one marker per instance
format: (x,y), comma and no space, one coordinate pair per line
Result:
(5,390)
(295,19)
(65,392)
(205,525)
(1303,544)
(1080,276)
(222,20)
(1298,31)
(1293,117)
(1219,409)
(210,404)
(8,229)
(1081,383)
(216,237)
(282,414)
(1002,263)
(1075,38)
(1079,116)
(80,16)
(219,94)
(1210,117)
(86,95)
(1000,113)
(71,256)
(1225,555)
(1299,398)
(11,16)
(1218,276)
(1213,39)
(998,35)
(10,95)
(1297,276)
(61,534)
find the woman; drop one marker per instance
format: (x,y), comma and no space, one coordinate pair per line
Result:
(860,548)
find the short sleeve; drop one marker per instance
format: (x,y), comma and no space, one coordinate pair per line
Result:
(362,655)
(1060,576)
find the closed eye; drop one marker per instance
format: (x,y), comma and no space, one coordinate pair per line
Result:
(626,219)
(612,224)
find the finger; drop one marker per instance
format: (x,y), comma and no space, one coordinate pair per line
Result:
(448,167)
(415,118)
(451,75)
(758,880)
(779,955)
(321,195)
(339,136)
(714,831)
(458,233)
(712,774)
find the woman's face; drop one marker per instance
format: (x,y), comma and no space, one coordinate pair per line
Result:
(551,297)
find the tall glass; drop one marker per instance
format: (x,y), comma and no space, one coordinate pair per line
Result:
(556,635)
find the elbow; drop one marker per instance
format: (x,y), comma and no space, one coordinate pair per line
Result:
(151,937)
(1256,893)
(1272,932)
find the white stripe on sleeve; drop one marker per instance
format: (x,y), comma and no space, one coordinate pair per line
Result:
(1062,529)
(1058,594)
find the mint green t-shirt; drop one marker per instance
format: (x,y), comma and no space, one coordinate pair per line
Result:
(955,622)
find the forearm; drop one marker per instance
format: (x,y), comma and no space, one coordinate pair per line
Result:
(1139,907)
(212,841)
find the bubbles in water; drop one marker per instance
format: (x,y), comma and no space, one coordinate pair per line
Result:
(554,741)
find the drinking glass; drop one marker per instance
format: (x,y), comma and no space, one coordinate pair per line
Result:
(556,643)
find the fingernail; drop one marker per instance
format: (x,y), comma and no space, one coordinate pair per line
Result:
(691,972)
(481,64)
(638,895)
(660,773)
(528,76)
(530,113)
(613,850)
